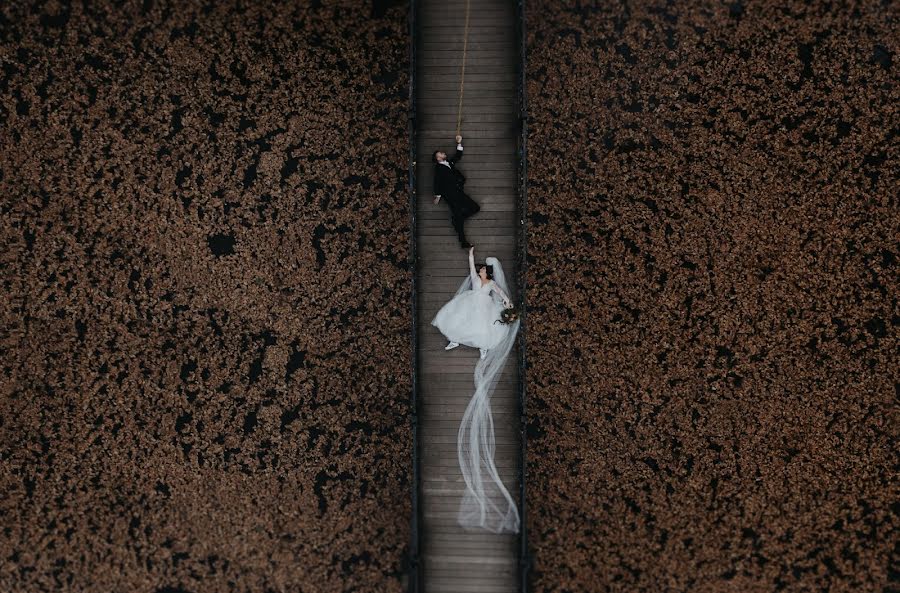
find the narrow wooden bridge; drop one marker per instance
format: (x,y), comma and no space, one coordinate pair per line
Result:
(453,560)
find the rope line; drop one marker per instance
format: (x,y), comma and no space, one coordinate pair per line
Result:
(462,75)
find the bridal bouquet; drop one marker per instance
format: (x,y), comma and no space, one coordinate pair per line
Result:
(509,315)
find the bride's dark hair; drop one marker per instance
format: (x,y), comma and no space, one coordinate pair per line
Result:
(490,270)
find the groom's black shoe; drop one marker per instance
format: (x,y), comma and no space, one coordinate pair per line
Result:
(465,244)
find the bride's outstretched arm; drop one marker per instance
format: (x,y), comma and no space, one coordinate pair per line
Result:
(472,272)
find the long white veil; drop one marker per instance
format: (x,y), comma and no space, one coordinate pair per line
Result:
(486,503)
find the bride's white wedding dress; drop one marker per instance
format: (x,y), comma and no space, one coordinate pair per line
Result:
(471,318)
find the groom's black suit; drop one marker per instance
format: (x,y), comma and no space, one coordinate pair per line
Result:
(449,184)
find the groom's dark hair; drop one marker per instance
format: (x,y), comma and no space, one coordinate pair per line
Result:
(490,270)
(434,156)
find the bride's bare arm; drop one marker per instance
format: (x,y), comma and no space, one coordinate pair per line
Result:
(472,270)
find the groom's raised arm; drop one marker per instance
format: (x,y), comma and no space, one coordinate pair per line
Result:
(459,149)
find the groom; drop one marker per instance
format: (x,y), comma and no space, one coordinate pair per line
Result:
(448,184)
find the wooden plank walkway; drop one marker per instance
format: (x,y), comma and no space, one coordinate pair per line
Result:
(455,560)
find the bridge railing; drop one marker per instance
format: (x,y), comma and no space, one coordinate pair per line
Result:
(415,566)
(522,261)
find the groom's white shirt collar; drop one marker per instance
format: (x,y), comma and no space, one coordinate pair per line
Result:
(445,163)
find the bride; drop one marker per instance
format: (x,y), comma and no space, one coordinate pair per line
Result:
(469,318)
(472,317)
